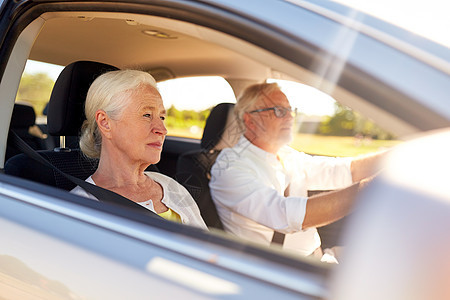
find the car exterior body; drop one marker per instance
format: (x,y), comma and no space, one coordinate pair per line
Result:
(56,245)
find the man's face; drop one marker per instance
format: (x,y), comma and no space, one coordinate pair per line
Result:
(269,130)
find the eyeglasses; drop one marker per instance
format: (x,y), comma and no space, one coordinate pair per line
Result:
(279,111)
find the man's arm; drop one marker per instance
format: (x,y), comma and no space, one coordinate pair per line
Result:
(326,208)
(366,166)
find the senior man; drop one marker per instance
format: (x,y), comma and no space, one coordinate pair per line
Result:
(260,185)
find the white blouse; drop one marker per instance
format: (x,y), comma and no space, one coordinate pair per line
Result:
(175,197)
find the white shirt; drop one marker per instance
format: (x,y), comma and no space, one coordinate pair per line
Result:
(175,197)
(248,186)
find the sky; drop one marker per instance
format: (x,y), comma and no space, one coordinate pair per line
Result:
(33,67)
(427,18)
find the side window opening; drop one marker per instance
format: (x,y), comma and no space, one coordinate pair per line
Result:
(33,94)
(36,86)
(326,127)
(188,102)
(323,126)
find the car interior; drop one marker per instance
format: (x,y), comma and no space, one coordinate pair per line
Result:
(22,119)
(193,167)
(88,43)
(65,117)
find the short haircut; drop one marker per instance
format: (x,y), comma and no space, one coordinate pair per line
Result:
(248,99)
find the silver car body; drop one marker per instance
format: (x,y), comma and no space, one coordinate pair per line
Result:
(55,245)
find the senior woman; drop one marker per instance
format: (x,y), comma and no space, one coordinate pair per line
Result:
(125,130)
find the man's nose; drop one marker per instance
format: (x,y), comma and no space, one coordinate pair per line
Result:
(289,115)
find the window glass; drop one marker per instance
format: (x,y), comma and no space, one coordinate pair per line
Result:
(188,102)
(326,127)
(36,86)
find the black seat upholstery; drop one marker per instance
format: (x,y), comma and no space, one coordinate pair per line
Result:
(22,119)
(65,117)
(193,168)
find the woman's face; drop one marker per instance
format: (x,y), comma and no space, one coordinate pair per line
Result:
(139,132)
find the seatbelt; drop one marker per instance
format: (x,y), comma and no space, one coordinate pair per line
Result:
(278,238)
(103,195)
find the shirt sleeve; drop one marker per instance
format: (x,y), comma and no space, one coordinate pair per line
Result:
(326,173)
(237,188)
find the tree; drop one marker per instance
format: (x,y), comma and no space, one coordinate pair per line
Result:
(347,122)
(186,118)
(36,90)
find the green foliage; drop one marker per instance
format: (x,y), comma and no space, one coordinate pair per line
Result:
(345,146)
(36,90)
(347,122)
(186,118)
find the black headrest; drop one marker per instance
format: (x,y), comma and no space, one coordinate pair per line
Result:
(216,124)
(23,116)
(66,105)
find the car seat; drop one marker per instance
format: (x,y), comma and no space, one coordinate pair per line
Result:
(193,168)
(65,117)
(22,119)
(54,141)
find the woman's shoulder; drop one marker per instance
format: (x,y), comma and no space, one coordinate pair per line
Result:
(172,189)
(161,178)
(168,183)
(177,197)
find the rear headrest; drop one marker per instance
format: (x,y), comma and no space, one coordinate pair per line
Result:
(23,116)
(66,105)
(221,129)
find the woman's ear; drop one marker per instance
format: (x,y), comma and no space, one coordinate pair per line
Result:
(103,123)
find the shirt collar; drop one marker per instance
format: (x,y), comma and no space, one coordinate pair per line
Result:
(267,156)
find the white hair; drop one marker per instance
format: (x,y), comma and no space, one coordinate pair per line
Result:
(248,99)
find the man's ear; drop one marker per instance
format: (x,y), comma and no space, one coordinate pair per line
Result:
(248,121)
(103,122)
(252,123)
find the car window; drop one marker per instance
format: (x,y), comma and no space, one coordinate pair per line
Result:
(326,127)
(36,86)
(323,126)
(188,102)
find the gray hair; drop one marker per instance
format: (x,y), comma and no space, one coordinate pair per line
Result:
(248,99)
(109,92)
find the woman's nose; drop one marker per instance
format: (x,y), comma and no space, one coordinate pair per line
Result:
(160,128)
